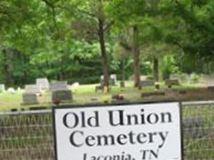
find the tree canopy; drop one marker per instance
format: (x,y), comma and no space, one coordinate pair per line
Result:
(80,40)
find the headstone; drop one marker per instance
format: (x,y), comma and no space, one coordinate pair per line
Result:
(60,92)
(210,88)
(32,88)
(74,86)
(113,79)
(59,86)
(11,90)
(172,82)
(42,83)
(147,83)
(61,96)
(2,87)
(29,98)
(101,81)
(19,89)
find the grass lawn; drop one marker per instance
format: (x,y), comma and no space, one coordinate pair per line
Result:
(81,95)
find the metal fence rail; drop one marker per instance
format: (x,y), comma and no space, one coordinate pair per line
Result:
(29,136)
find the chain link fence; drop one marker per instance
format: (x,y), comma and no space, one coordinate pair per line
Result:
(28,135)
(198,130)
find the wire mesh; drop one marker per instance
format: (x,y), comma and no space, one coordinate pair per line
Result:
(198,131)
(26,136)
(29,135)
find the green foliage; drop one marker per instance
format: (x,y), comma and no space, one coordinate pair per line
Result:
(168,66)
(59,39)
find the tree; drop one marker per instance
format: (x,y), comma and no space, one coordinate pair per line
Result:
(94,12)
(194,29)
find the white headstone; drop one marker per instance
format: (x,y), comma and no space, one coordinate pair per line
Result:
(74,86)
(2,87)
(113,76)
(113,79)
(42,83)
(11,90)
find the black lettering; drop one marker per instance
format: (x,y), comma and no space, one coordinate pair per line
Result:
(94,121)
(75,120)
(112,118)
(73,142)
(155,118)
(121,138)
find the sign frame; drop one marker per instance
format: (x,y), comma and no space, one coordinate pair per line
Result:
(115,105)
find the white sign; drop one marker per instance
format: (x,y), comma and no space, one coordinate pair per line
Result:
(120,132)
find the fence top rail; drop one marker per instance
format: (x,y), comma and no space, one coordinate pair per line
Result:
(26,112)
(45,111)
(193,103)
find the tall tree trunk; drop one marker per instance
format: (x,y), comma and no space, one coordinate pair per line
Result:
(123,73)
(104,56)
(8,66)
(136,56)
(156,69)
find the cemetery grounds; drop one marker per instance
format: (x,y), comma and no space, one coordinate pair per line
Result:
(30,134)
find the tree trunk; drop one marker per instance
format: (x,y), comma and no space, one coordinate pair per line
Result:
(8,66)
(156,69)
(136,56)
(103,54)
(123,73)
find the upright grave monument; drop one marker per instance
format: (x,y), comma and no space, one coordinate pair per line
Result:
(172,82)
(60,92)
(30,95)
(147,83)
(42,83)
(113,79)
(112,82)
(2,88)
